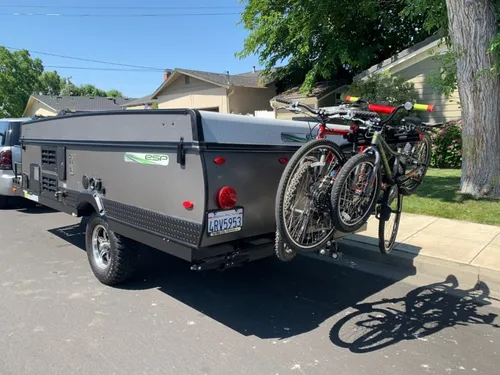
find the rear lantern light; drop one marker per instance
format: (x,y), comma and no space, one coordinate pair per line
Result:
(283,160)
(226,199)
(5,160)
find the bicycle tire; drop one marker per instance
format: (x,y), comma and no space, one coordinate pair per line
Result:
(337,190)
(282,251)
(287,176)
(408,191)
(386,250)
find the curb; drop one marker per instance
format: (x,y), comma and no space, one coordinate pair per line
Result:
(414,269)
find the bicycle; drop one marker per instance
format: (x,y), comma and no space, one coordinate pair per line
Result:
(379,166)
(322,159)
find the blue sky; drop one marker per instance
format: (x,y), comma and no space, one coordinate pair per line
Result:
(190,42)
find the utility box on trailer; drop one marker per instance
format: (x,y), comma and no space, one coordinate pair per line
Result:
(198,185)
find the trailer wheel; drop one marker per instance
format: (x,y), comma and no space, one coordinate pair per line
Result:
(111,256)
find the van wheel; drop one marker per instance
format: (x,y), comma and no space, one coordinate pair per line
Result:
(112,257)
(4,201)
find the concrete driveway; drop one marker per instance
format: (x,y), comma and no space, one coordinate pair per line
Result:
(303,317)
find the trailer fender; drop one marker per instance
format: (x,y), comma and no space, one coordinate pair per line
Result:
(88,203)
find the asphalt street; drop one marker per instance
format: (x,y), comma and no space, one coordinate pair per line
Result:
(266,318)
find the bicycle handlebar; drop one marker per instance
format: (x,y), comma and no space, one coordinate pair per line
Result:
(389,109)
(328,113)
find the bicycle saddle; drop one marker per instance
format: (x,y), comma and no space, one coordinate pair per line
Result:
(433,125)
(413,121)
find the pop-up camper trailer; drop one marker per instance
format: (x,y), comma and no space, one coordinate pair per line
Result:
(198,185)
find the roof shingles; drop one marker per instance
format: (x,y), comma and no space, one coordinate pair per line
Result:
(252,79)
(82,103)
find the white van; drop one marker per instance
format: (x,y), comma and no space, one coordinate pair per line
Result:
(10,153)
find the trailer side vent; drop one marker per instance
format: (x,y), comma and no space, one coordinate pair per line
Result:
(49,183)
(49,159)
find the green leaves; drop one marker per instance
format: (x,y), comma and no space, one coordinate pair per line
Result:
(70,89)
(19,75)
(50,83)
(22,76)
(384,87)
(326,38)
(447,146)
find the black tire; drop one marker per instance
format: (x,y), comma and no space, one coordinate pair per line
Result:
(338,187)
(408,189)
(283,252)
(122,254)
(292,171)
(386,247)
(4,202)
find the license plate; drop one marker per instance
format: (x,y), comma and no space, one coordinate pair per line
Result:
(223,222)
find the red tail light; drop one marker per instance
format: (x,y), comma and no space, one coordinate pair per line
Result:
(5,160)
(283,160)
(226,199)
(218,160)
(188,205)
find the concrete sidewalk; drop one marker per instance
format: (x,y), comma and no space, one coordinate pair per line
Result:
(451,240)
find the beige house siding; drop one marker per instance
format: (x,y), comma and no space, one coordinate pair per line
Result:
(209,98)
(39,109)
(136,107)
(245,100)
(193,93)
(445,109)
(416,66)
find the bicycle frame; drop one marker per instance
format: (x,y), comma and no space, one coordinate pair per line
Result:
(380,148)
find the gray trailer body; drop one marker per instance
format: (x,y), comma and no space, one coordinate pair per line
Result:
(156,179)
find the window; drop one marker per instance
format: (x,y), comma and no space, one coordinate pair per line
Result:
(10,133)
(4,130)
(186,80)
(15,135)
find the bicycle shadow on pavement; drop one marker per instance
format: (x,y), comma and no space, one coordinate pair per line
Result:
(422,312)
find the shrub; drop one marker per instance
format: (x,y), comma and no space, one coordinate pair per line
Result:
(447,146)
(384,88)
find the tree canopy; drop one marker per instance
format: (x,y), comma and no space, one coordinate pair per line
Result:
(21,76)
(329,39)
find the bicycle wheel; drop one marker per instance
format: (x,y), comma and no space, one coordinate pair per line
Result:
(388,229)
(353,201)
(422,152)
(302,201)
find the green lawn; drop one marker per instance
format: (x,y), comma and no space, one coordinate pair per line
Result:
(439,196)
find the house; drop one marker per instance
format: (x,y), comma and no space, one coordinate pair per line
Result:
(415,64)
(48,105)
(323,94)
(242,93)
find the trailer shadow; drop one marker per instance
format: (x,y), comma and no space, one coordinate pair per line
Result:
(269,299)
(26,206)
(265,298)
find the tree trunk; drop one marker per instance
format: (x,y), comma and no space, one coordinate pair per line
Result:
(472,26)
